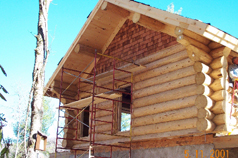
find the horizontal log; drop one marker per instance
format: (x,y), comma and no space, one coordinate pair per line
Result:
(196,54)
(204,90)
(168,116)
(105,105)
(164,87)
(70,131)
(167,60)
(219,63)
(163,69)
(69,113)
(171,134)
(104,118)
(102,113)
(219,119)
(219,107)
(166,96)
(161,54)
(219,52)
(218,73)
(203,101)
(185,40)
(68,144)
(103,137)
(219,95)
(214,45)
(184,72)
(219,84)
(201,67)
(205,113)
(181,31)
(221,129)
(69,136)
(205,125)
(164,106)
(204,79)
(165,127)
(103,128)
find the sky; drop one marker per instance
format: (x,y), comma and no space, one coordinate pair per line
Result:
(18,25)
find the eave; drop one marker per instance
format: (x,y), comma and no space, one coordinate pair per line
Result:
(106,20)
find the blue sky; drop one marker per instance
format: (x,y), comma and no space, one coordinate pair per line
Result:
(18,24)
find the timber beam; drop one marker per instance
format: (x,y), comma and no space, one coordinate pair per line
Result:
(80,48)
(197,54)
(182,31)
(68,90)
(185,40)
(113,9)
(147,22)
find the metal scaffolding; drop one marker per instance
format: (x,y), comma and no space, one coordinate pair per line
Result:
(93,109)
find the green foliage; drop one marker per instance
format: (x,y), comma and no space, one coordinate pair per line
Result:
(125,121)
(2,121)
(5,151)
(48,116)
(47,121)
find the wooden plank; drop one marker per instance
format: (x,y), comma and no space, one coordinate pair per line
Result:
(226,142)
(87,101)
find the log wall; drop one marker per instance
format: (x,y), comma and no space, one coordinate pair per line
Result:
(164,96)
(183,90)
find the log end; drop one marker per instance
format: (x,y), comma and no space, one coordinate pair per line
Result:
(205,125)
(104,6)
(136,17)
(203,102)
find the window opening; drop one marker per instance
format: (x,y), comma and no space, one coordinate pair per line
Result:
(85,121)
(125,115)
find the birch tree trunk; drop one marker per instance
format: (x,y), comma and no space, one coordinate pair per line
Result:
(41,56)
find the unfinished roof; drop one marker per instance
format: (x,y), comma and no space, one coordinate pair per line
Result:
(106,20)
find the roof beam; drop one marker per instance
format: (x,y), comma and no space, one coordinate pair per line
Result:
(66,88)
(147,22)
(80,48)
(185,40)
(182,31)
(113,9)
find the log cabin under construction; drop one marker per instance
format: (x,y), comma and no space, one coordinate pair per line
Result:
(166,73)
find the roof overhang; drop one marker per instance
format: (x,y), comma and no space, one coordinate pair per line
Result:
(106,20)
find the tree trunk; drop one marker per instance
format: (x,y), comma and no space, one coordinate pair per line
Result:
(41,55)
